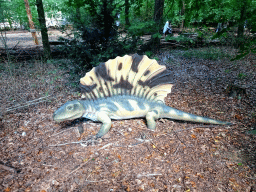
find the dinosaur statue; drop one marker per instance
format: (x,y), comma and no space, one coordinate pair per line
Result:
(123,88)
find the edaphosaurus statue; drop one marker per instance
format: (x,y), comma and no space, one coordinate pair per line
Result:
(123,88)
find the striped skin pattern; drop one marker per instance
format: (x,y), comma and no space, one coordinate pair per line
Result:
(123,88)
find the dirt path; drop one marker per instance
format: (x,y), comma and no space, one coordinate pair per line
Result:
(23,39)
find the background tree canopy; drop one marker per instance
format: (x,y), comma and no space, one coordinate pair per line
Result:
(95,20)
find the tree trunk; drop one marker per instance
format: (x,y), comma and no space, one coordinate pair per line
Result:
(240,32)
(10,22)
(158,12)
(158,16)
(182,13)
(31,23)
(41,18)
(127,7)
(78,15)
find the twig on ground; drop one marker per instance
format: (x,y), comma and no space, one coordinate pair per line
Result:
(97,181)
(179,138)
(175,132)
(8,168)
(108,145)
(141,142)
(15,46)
(61,132)
(153,143)
(176,150)
(71,143)
(133,145)
(78,167)
(35,101)
(149,175)
(207,126)
(105,146)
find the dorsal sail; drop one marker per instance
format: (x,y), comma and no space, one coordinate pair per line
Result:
(128,75)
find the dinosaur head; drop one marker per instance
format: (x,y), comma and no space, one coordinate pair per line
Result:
(69,111)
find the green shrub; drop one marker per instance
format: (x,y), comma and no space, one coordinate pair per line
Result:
(142,28)
(211,53)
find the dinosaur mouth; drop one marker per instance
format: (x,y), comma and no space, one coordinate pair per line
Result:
(60,119)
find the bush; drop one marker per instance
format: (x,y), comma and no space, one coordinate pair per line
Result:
(90,47)
(142,28)
(100,40)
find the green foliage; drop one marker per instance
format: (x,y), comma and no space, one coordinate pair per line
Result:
(142,28)
(156,58)
(249,46)
(211,53)
(141,10)
(2,11)
(149,53)
(181,39)
(156,35)
(253,132)
(15,11)
(98,41)
(90,14)
(241,76)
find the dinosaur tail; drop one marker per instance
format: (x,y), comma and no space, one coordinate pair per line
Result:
(172,113)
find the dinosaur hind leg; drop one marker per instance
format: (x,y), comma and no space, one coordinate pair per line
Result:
(151,118)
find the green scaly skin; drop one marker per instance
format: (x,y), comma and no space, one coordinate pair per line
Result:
(124,107)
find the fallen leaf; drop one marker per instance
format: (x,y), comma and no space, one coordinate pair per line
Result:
(239,117)
(148,157)
(152,184)
(193,183)
(7,189)
(193,136)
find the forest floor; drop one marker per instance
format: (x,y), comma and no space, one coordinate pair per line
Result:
(38,154)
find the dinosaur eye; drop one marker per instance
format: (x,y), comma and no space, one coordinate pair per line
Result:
(69,107)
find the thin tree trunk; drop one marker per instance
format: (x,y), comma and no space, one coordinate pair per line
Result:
(158,16)
(41,18)
(10,22)
(158,12)
(240,32)
(78,15)
(182,13)
(31,23)
(127,7)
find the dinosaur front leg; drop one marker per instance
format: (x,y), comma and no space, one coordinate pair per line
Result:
(151,117)
(106,124)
